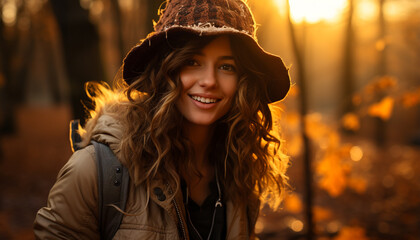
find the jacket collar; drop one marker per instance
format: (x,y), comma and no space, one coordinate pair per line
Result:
(239,219)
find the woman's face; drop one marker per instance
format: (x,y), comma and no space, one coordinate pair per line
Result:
(209,82)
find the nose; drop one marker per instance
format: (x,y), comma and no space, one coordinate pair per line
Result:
(208,78)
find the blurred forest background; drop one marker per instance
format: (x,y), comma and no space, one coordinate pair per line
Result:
(351,123)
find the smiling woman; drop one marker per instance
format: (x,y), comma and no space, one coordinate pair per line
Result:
(190,122)
(314,11)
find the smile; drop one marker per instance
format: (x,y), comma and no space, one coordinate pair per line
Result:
(204,100)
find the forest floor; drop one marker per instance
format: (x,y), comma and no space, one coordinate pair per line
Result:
(30,159)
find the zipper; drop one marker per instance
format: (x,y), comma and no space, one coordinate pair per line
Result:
(178,213)
(180,219)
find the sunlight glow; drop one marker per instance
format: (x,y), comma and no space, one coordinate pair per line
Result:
(356,153)
(9,13)
(296,225)
(313,11)
(367,10)
(394,10)
(126,4)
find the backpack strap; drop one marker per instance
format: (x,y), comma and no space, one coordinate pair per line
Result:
(113,181)
(75,137)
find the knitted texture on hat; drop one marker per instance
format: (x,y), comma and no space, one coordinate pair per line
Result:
(208,16)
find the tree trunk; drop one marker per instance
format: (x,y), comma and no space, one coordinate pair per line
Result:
(348,66)
(116,12)
(80,40)
(300,63)
(380,134)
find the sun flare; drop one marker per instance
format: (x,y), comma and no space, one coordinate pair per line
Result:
(313,11)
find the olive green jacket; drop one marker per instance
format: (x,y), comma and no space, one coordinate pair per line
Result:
(72,207)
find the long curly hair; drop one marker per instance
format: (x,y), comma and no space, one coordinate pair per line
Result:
(244,149)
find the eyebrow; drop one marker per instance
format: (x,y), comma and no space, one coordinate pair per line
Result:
(227,58)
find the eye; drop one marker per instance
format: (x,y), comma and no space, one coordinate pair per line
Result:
(191,62)
(228,67)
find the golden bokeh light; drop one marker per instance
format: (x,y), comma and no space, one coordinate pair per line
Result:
(367,10)
(356,153)
(9,12)
(296,225)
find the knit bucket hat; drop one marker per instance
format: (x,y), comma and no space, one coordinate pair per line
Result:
(209,18)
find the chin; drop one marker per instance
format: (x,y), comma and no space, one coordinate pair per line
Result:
(201,122)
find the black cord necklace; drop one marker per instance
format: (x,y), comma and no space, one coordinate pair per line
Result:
(218,207)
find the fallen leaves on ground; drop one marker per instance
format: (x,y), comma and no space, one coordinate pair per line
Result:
(352,233)
(383,109)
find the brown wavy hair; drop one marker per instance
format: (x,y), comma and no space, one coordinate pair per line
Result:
(243,148)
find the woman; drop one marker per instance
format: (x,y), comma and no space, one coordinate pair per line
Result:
(191,123)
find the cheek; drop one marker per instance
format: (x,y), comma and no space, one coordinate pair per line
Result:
(186,79)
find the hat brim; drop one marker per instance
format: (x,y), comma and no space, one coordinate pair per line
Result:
(272,67)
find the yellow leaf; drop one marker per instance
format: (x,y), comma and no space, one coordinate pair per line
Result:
(380,84)
(386,82)
(333,174)
(351,233)
(333,140)
(351,121)
(383,109)
(314,127)
(293,204)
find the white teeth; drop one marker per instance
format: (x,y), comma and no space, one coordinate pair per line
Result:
(204,100)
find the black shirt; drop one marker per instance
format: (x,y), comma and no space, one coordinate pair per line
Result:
(200,218)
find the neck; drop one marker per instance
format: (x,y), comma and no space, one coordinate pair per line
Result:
(199,137)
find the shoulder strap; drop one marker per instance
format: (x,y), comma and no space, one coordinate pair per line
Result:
(113,181)
(74,135)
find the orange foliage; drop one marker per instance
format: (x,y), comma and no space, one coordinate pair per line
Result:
(411,99)
(315,128)
(293,204)
(333,174)
(381,84)
(321,214)
(351,121)
(351,233)
(383,109)
(358,184)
